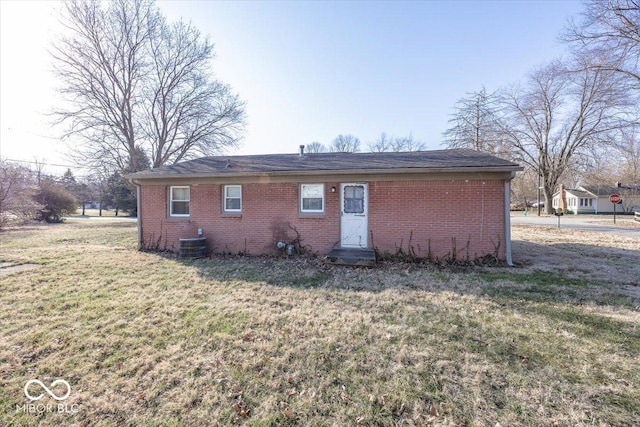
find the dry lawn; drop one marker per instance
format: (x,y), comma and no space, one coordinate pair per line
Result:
(145,339)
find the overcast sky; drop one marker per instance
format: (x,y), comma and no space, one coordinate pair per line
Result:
(309,71)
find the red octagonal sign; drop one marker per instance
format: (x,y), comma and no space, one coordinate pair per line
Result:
(615,198)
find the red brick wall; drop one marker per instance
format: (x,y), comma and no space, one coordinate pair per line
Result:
(270,213)
(428,214)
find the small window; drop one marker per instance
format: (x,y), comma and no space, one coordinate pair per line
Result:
(179,199)
(312,198)
(233,198)
(354,199)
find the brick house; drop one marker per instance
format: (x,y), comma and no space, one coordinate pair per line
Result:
(437,204)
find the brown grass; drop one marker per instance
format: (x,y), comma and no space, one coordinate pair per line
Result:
(597,257)
(145,339)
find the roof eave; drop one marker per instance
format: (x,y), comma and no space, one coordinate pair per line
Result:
(320,172)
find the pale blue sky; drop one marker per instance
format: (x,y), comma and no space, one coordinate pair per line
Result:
(312,70)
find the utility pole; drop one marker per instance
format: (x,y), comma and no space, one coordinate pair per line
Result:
(539,184)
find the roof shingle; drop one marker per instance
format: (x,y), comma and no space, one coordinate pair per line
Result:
(420,161)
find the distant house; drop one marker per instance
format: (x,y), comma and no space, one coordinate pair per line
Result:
(445,204)
(591,199)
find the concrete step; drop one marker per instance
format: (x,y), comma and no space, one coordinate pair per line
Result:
(351,256)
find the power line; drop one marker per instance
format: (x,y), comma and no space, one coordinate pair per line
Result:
(43,163)
(55,165)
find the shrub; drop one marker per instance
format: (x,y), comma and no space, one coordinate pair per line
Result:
(56,202)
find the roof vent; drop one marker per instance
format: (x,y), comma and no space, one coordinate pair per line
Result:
(302,150)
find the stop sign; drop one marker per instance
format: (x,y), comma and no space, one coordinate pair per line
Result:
(615,199)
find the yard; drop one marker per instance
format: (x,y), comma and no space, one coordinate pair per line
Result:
(146,339)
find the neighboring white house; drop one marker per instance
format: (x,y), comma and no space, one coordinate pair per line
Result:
(595,200)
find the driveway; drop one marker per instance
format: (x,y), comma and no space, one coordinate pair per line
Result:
(624,226)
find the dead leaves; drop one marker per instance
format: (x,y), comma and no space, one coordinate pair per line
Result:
(284,406)
(240,407)
(433,411)
(393,405)
(288,414)
(429,413)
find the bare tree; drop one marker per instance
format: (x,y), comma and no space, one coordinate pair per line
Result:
(315,147)
(131,80)
(476,124)
(382,144)
(190,114)
(17,188)
(560,114)
(627,159)
(609,34)
(616,162)
(345,144)
(523,188)
(98,185)
(626,167)
(385,143)
(406,143)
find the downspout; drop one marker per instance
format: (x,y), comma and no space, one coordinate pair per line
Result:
(507,218)
(139,211)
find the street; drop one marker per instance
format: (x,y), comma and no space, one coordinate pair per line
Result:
(599,223)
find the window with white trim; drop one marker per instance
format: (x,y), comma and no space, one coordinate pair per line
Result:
(179,200)
(232,198)
(312,198)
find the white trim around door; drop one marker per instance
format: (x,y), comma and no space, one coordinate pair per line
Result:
(354,213)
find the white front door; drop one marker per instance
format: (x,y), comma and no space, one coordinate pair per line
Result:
(353,213)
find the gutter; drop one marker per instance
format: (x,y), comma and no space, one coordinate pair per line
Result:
(138,209)
(507,218)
